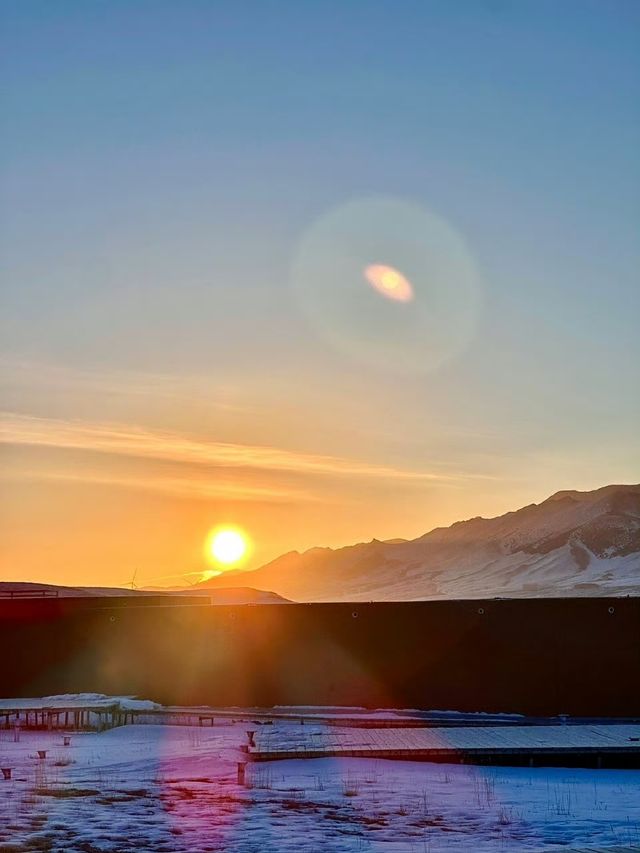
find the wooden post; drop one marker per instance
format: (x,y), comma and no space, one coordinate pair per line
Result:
(6,772)
(241,769)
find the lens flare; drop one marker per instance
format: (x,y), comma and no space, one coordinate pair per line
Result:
(389,282)
(406,254)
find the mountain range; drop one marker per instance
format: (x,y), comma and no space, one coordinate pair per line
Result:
(573,543)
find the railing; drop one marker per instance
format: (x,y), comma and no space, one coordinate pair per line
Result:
(29,593)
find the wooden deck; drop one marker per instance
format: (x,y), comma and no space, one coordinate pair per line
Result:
(97,716)
(589,745)
(292,733)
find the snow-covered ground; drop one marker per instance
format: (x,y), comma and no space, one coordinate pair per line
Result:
(174,789)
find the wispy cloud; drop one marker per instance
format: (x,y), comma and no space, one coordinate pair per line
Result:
(138,442)
(125,383)
(183,487)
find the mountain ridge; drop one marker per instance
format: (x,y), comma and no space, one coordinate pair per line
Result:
(573,542)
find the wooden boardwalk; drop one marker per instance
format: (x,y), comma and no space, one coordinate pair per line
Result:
(589,745)
(290,733)
(98,716)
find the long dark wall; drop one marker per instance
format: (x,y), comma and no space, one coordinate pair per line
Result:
(542,656)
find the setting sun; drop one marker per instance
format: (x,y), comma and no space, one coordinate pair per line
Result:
(227,546)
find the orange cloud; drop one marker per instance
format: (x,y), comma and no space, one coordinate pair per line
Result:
(138,442)
(182,487)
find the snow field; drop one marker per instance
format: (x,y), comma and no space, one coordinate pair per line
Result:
(170,789)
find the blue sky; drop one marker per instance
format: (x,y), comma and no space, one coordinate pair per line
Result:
(161,163)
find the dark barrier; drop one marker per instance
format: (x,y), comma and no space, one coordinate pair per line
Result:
(534,656)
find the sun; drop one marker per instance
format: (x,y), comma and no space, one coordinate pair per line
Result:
(227,546)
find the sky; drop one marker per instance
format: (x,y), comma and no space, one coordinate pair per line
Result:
(191,195)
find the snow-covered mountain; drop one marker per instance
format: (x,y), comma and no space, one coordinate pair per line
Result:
(584,543)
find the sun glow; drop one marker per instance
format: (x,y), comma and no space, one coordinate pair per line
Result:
(226,547)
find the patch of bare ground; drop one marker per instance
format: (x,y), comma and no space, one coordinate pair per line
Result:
(125,796)
(66,793)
